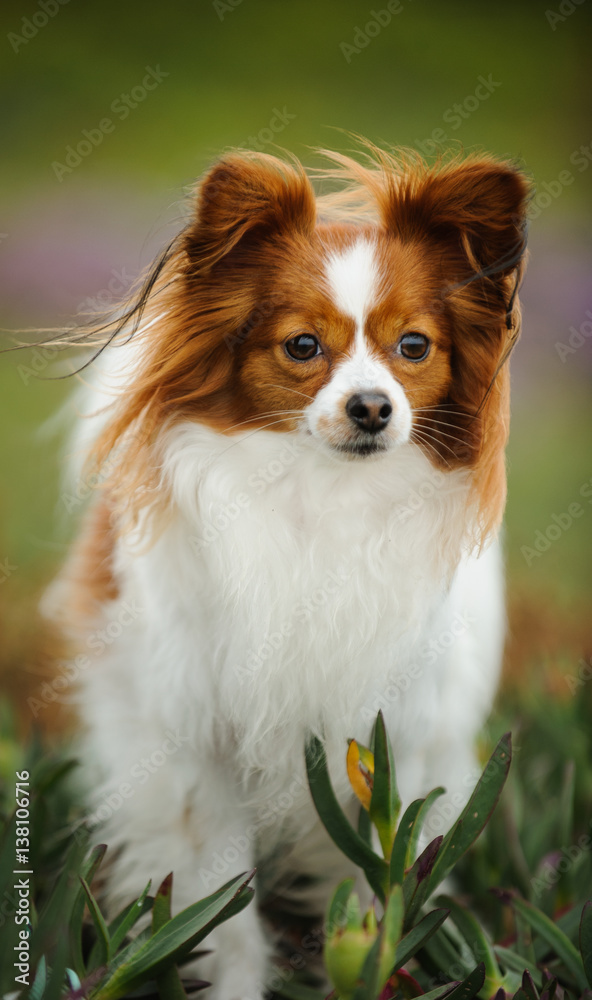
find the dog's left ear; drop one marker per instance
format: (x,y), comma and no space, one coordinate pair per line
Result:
(473,214)
(480,201)
(245,198)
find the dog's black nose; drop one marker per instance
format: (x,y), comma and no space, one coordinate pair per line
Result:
(370,411)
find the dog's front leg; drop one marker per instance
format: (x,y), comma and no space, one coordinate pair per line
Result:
(188,817)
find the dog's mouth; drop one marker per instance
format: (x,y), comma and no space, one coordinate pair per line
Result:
(362,447)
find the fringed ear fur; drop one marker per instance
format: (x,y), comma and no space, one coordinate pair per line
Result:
(246,196)
(472,212)
(480,201)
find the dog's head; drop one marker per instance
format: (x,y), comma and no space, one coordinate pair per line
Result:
(371,318)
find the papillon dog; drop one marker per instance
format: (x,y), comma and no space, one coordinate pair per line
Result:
(298,431)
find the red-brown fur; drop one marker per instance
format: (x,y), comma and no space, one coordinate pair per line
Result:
(90,568)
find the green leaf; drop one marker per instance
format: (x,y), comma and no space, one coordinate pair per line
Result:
(365,826)
(398,862)
(477,941)
(336,823)
(554,937)
(551,988)
(123,923)
(565,810)
(298,991)
(417,880)
(442,953)
(55,986)
(55,771)
(426,805)
(529,987)
(441,992)
(586,940)
(170,986)
(385,803)
(418,935)
(470,986)
(369,985)
(523,945)
(392,922)
(475,814)
(408,834)
(40,981)
(169,982)
(99,922)
(161,909)
(56,914)
(380,960)
(515,963)
(128,950)
(177,938)
(337,911)
(76,920)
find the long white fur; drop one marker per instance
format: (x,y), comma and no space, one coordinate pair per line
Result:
(291,592)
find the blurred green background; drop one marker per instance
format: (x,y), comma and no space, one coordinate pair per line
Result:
(259,72)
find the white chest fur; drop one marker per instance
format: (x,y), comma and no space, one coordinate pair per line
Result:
(290,590)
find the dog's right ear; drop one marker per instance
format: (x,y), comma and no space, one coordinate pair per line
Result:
(247,195)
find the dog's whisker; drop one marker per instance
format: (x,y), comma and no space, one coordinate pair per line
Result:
(445,423)
(261,416)
(286,388)
(452,437)
(426,442)
(246,437)
(441,409)
(438,443)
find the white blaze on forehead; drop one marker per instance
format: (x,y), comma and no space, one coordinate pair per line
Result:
(353,276)
(353,280)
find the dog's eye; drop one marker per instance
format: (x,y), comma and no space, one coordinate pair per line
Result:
(303,347)
(414,346)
